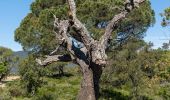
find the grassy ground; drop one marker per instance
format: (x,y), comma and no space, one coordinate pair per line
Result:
(53,88)
(61,88)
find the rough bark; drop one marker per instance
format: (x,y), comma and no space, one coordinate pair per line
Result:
(90,84)
(54,58)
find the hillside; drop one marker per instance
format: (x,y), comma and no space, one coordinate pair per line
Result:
(21,55)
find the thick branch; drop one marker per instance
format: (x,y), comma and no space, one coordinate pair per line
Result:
(116,19)
(54,58)
(61,30)
(82,30)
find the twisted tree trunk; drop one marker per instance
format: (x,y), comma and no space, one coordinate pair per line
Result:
(91,56)
(90,84)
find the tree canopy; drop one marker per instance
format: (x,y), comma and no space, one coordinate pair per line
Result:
(86,29)
(166,17)
(35,32)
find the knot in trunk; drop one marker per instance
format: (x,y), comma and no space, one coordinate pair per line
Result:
(98,54)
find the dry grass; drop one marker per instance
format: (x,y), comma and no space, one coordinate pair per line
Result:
(8,79)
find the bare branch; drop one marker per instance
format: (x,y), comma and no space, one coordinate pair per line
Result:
(54,50)
(54,58)
(82,30)
(116,19)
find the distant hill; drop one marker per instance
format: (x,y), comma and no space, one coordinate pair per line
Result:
(21,55)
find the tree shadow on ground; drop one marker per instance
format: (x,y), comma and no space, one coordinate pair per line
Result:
(113,95)
(58,76)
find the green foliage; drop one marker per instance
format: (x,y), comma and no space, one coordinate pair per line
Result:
(3,68)
(55,69)
(93,12)
(65,88)
(166,17)
(35,34)
(165,93)
(133,68)
(36,30)
(4,95)
(5,60)
(16,91)
(138,70)
(30,74)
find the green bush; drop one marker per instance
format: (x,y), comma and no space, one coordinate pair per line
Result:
(16,91)
(30,75)
(4,94)
(3,71)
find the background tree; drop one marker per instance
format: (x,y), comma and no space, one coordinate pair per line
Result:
(5,61)
(139,70)
(165,46)
(56,69)
(30,73)
(87,48)
(166,17)
(125,68)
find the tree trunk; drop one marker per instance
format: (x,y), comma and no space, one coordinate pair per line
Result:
(90,84)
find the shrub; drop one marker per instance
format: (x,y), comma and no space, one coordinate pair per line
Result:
(30,75)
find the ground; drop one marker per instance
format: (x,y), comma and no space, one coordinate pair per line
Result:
(8,79)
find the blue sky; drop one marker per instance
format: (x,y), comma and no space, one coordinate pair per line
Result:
(13,11)
(157,34)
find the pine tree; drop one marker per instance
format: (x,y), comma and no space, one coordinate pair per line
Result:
(79,26)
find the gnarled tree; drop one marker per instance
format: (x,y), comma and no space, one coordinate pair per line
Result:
(86,51)
(83,42)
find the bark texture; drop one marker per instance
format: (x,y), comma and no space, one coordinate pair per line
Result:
(91,56)
(90,84)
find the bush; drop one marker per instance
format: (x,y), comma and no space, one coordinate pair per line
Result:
(16,91)
(4,94)
(30,75)
(3,71)
(5,60)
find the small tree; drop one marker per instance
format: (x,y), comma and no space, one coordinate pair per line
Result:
(56,69)
(3,71)
(30,75)
(5,60)
(165,46)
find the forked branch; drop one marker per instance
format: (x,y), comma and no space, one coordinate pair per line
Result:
(116,19)
(81,29)
(92,50)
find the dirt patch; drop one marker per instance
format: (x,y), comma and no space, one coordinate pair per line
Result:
(8,79)
(12,78)
(2,85)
